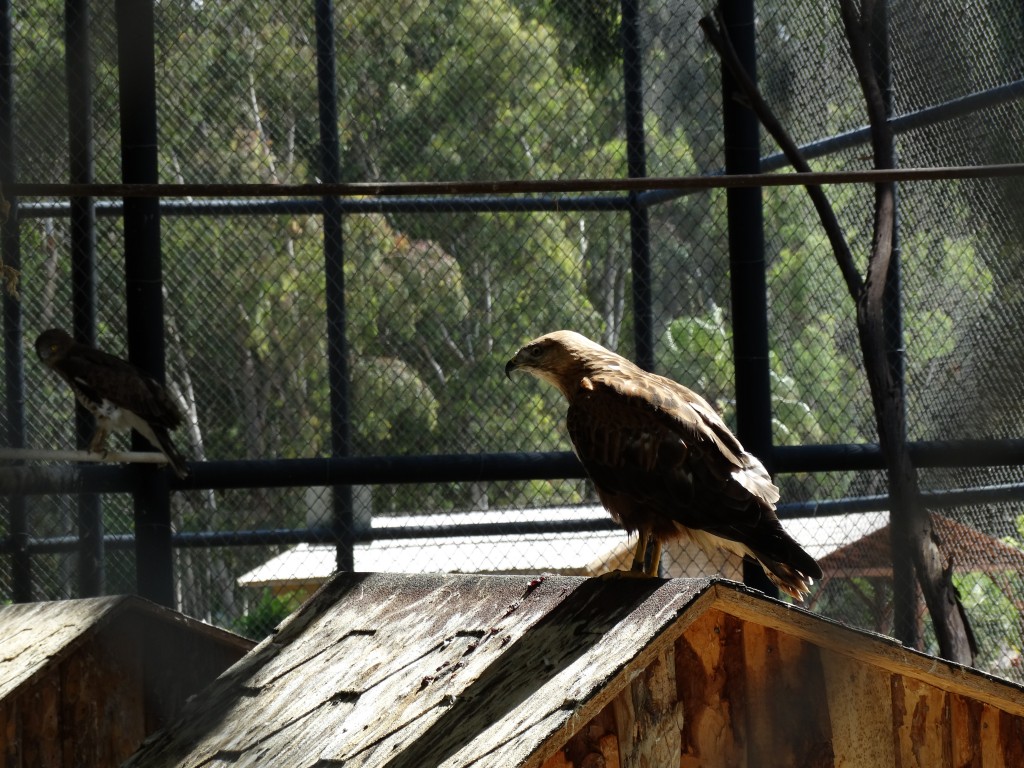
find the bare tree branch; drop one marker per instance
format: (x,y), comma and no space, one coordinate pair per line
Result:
(714,30)
(911,523)
(911,527)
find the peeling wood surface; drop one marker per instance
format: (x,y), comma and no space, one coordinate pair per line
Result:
(563,672)
(860,709)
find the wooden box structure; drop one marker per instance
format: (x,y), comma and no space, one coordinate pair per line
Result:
(82,682)
(417,671)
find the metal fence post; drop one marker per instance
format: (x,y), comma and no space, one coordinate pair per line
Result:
(636,161)
(143,280)
(337,346)
(904,580)
(748,283)
(14,361)
(78,73)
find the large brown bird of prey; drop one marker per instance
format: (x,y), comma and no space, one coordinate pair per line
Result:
(115,392)
(663,461)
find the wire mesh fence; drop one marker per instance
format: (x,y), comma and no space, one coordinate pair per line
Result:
(439,292)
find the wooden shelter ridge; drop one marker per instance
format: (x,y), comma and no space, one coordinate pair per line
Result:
(82,682)
(403,671)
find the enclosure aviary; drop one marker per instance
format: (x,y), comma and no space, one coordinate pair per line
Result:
(663,461)
(115,392)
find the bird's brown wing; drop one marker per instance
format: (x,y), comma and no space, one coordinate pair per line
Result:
(659,455)
(99,375)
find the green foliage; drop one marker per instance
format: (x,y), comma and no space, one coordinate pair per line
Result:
(435,303)
(698,351)
(269,611)
(995,615)
(396,412)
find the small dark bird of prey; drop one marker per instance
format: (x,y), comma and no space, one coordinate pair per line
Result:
(663,461)
(115,392)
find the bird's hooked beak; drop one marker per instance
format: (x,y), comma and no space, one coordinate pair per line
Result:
(510,366)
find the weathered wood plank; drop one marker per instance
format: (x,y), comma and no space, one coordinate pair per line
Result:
(786,713)
(1011,738)
(990,737)
(712,690)
(198,657)
(859,711)
(966,745)
(876,650)
(590,740)
(921,724)
(78,715)
(37,633)
(123,692)
(40,711)
(557,760)
(10,734)
(649,717)
(608,748)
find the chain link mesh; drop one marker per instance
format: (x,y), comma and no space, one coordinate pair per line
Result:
(438,295)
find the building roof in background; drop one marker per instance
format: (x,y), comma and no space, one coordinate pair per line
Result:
(571,553)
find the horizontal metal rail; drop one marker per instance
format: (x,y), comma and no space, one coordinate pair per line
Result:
(933,115)
(316,206)
(960,497)
(450,468)
(522,186)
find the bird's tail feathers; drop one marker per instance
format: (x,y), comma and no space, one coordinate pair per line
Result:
(787,564)
(791,569)
(166,446)
(793,582)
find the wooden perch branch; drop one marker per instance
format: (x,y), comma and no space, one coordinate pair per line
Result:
(36,454)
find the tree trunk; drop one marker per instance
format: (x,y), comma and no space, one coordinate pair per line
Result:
(913,538)
(910,523)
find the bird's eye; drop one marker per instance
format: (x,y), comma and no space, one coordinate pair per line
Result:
(534,351)
(53,347)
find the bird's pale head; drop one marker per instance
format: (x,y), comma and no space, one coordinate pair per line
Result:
(52,345)
(562,358)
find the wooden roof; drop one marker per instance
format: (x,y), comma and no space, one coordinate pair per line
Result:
(35,635)
(968,548)
(459,670)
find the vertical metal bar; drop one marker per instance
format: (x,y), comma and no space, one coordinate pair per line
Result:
(636,163)
(78,74)
(748,283)
(337,346)
(143,280)
(14,362)
(904,581)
